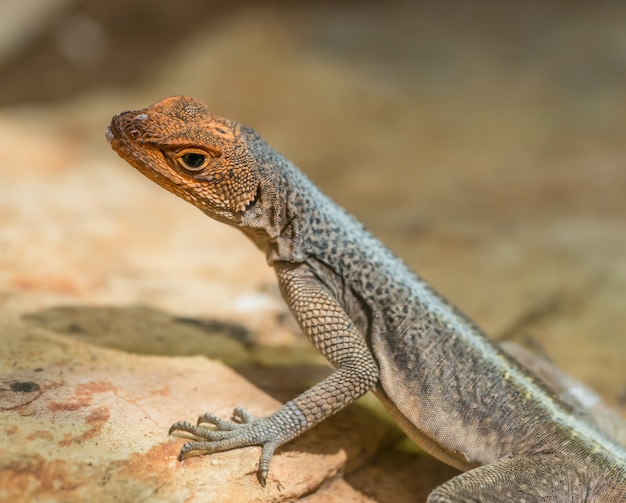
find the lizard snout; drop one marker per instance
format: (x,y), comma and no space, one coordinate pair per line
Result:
(126,126)
(108,134)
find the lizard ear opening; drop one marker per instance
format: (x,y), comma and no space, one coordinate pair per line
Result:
(237,190)
(247,199)
(230,188)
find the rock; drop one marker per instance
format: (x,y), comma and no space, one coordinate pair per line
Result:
(337,491)
(80,421)
(402,474)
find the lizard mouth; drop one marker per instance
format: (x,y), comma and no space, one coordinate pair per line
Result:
(125,138)
(108,134)
(114,134)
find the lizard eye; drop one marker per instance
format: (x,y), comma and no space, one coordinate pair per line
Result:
(193,160)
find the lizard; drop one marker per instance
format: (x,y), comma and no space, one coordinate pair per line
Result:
(450,387)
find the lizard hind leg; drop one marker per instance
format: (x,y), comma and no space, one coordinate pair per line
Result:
(532,479)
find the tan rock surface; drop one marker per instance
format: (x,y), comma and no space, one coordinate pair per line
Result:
(81,422)
(337,491)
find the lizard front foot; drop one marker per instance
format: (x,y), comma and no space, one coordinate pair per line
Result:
(243,431)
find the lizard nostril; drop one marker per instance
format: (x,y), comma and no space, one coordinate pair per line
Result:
(134,133)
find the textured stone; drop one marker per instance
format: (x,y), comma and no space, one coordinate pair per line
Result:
(80,421)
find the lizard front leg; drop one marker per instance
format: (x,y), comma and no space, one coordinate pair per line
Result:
(332,331)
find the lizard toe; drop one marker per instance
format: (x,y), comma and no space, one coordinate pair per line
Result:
(180,426)
(218,422)
(242,416)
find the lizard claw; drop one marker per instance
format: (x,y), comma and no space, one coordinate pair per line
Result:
(243,430)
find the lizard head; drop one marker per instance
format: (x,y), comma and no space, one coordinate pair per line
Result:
(192,153)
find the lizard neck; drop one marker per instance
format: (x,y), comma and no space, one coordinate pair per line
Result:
(292,220)
(281,219)
(286,211)
(311,224)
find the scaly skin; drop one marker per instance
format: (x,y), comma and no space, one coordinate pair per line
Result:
(453,391)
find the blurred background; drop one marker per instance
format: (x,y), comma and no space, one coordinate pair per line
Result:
(484,142)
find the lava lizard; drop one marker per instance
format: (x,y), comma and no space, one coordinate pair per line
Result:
(452,390)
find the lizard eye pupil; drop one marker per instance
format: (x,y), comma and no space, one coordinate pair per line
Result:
(194,161)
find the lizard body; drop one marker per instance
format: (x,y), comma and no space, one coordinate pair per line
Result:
(452,389)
